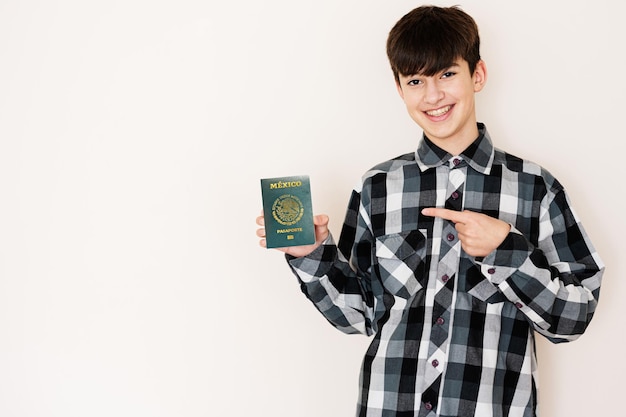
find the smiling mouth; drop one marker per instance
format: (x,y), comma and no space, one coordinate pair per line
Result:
(439,112)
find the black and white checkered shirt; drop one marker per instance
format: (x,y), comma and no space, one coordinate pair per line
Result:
(454,334)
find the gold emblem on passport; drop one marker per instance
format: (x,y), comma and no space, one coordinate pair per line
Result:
(287,209)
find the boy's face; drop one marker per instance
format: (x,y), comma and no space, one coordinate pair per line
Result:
(443,104)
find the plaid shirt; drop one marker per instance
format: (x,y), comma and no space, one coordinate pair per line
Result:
(454,334)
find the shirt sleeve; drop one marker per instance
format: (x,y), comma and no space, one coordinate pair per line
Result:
(336,278)
(555,283)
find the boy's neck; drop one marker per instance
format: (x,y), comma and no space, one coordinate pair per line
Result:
(456,145)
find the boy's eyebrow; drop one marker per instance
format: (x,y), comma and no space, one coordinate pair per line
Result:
(444,69)
(453,65)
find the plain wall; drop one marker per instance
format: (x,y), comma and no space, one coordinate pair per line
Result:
(133,135)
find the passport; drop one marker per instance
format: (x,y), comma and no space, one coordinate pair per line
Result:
(288,211)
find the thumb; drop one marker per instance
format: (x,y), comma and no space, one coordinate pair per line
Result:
(321,220)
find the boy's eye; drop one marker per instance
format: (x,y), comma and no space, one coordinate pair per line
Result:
(414,82)
(448,74)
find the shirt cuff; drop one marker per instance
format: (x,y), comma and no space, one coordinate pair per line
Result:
(507,258)
(317,263)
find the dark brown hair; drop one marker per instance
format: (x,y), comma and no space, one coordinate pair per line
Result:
(430,39)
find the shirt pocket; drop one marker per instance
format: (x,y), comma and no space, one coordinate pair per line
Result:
(400,262)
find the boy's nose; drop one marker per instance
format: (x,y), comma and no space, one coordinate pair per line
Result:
(433,93)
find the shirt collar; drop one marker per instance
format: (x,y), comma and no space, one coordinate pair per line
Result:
(479,155)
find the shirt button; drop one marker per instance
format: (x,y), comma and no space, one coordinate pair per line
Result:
(440,321)
(491,271)
(455,195)
(456,161)
(445,278)
(450,237)
(428,406)
(435,363)
(519,305)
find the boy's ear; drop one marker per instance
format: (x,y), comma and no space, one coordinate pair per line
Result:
(399,88)
(480,75)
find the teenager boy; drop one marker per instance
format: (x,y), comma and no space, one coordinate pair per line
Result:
(454,255)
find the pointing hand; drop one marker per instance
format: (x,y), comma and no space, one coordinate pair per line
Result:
(479,234)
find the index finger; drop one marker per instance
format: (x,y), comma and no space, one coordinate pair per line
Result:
(453,216)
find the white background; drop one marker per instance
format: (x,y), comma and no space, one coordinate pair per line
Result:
(133,135)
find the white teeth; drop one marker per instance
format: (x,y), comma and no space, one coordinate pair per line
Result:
(438,112)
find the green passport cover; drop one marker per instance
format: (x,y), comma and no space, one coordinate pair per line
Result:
(288,211)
